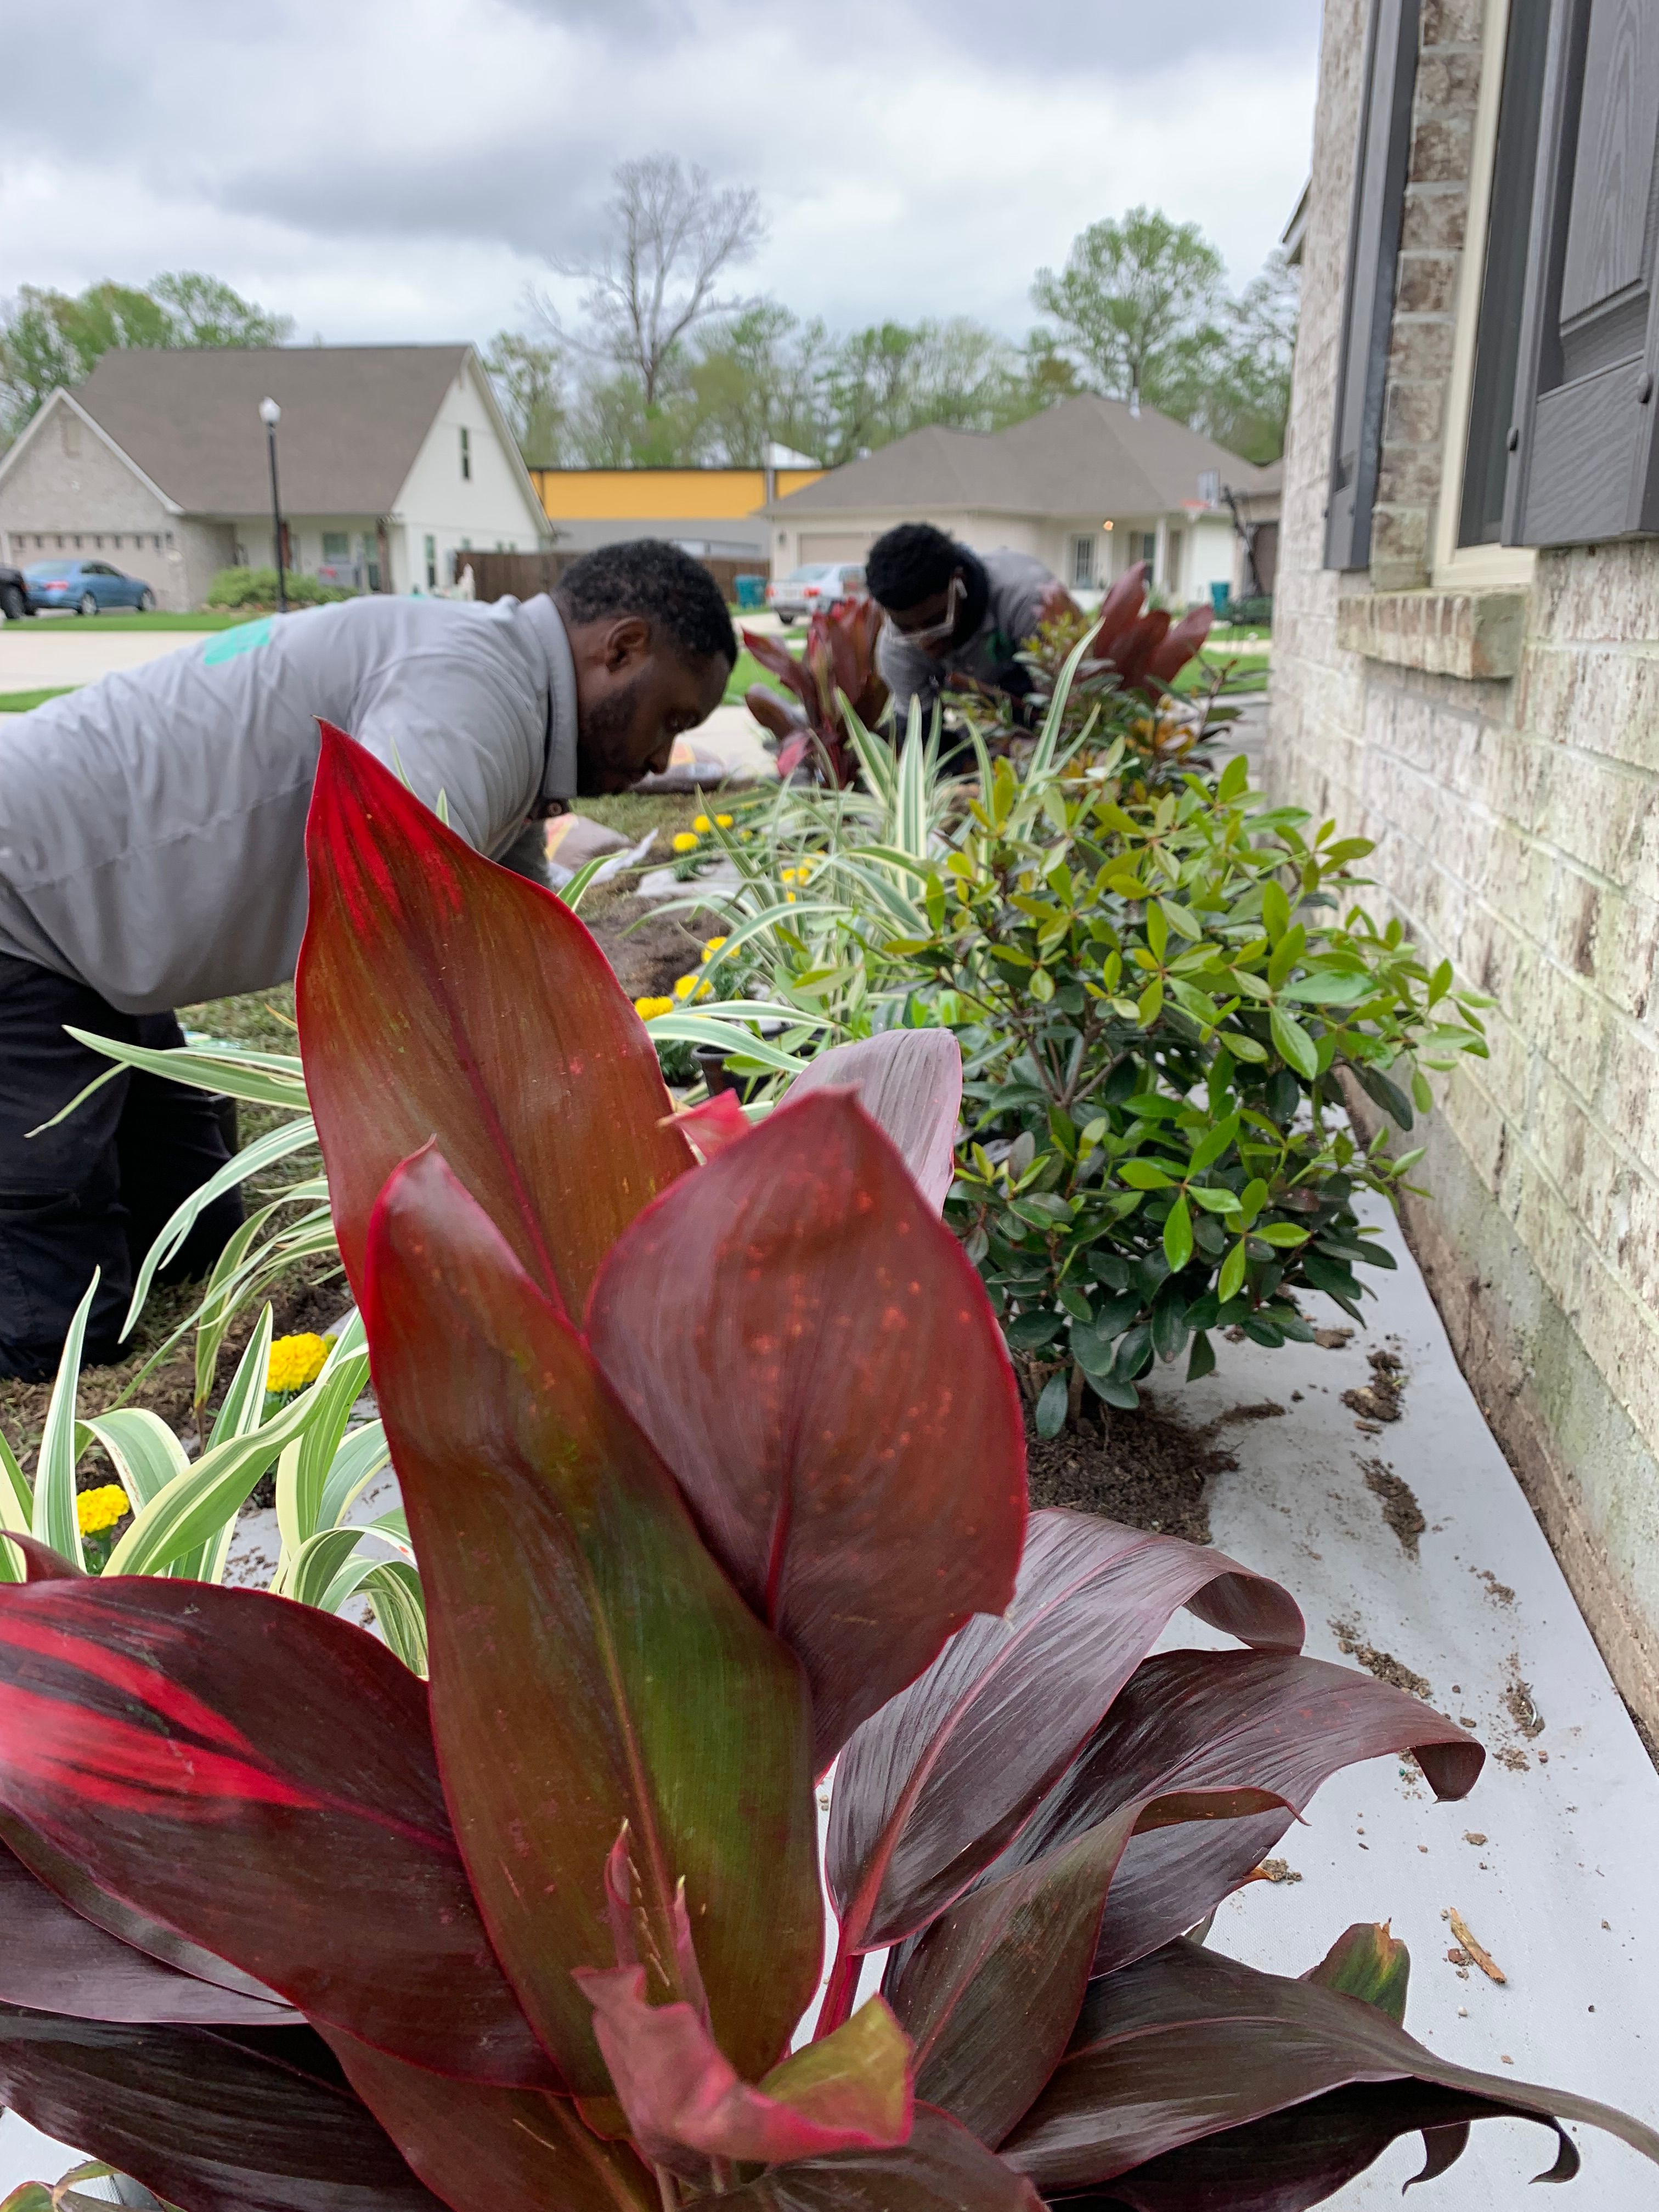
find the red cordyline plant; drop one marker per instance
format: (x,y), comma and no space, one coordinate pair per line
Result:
(839,660)
(714,1472)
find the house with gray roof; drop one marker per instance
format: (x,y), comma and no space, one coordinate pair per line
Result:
(393,460)
(1090,487)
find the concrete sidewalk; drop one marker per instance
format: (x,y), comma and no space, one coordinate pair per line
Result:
(36,655)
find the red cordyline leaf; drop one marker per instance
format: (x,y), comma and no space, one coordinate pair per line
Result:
(812,1354)
(933,1788)
(258,1775)
(685,2103)
(990,1991)
(1187,2043)
(1180,644)
(495,2150)
(54,1959)
(910,1083)
(941,2169)
(440,996)
(590,1664)
(1221,1720)
(1120,610)
(217,2121)
(714,1124)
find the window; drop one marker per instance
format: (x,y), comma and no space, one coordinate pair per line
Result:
(1143,546)
(1083,563)
(337,545)
(432,559)
(1379,197)
(1209,487)
(466,455)
(71,429)
(1523,43)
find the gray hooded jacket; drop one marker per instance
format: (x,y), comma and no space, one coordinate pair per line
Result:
(152,826)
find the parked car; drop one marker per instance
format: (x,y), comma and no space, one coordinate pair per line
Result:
(89,586)
(14,595)
(816,589)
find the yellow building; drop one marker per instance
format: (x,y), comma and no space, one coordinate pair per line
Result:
(713,513)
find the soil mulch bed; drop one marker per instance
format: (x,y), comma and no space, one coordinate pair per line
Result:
(1149,1468)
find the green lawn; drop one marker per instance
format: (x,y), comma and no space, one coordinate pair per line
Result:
(746,672)
(21,703)
(207,618)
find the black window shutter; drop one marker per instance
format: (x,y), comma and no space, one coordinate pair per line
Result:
(1379,194)
(1585,452)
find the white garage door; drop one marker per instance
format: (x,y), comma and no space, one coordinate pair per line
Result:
(833,545)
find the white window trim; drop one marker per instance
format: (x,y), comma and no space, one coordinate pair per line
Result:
(1471,567)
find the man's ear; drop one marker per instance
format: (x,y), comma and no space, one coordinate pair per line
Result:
(626,643)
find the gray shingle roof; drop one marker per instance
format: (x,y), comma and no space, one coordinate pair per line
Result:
(1087,455)
(353,421)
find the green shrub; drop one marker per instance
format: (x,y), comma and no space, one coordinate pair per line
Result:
(256,588)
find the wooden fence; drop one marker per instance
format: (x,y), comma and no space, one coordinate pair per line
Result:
(521,575)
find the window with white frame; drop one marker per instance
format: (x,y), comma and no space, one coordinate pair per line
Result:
(466,455)
(1083,562)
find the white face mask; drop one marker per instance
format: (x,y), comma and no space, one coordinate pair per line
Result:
(940,632)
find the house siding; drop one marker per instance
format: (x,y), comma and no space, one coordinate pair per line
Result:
(1516,820)
(493,509)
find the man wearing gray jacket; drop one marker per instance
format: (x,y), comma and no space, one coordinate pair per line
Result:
(152,855)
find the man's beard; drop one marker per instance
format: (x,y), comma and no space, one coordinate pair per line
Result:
(602,744)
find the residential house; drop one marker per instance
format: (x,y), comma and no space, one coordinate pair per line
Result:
(1466,668)
(712,512)
(1091,487)
(389,460)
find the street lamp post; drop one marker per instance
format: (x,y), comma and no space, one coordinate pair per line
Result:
(270,414)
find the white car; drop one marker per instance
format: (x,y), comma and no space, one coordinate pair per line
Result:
(816,588)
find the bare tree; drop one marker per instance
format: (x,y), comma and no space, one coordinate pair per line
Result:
(669,234)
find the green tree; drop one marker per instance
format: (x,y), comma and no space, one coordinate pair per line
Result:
(1247,401)
(756,382)
(1138,305)
(529,381)
(205,311)
(893,378)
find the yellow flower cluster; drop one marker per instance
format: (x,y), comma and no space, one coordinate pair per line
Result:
(703,825)
(684,842)
(295,1361)
(693,986)
(98,1510)
(802,875)
(648,1009)
(711,946)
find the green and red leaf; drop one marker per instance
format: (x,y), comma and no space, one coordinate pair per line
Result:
(1187,2044)
(811,1352)
(214,2120)
(591,1666)
(441,997)
(935,1787)
(941,2169)
(258,1775)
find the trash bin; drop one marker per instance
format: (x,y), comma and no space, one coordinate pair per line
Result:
(751,593)
(1219,595)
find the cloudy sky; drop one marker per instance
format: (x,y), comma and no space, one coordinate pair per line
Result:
(386,171)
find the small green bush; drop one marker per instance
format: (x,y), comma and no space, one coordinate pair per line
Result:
(255,588)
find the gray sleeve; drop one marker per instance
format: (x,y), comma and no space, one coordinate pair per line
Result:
(907,672)
(1019,585)
(444,731)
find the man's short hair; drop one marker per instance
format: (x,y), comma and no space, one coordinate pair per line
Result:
(648,576)
(911,563)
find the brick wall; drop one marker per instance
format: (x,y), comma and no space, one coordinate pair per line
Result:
(1516,817)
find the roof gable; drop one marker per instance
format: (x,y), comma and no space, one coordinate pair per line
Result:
(1085,455)
(354,418)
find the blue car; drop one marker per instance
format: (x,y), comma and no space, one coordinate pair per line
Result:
(89,586)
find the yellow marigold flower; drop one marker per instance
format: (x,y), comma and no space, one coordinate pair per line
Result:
(693,986)
(790,897)
(98,1510)
(723,821)
(786,875)
(684,842)
(295,1361)
(712,946)
(648,1009)
(702,825)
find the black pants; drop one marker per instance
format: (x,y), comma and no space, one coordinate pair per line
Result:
(95,1191)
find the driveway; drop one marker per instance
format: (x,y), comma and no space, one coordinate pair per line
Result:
(36,655)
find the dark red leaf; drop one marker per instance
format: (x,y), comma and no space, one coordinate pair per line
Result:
(258,1775)
(54,1960)
(812,1354)
(590,1664)
(685,2103)
(1188,2043)
(932,1790)
(1220,1720)
(1133,652)
(910,1083)
(717,1122)
(442,997)
(40,1563)
(990,1991)
(216,2121)
(775,656)
(1182,642)
(1120,609)
(941,2169)
(494,2150)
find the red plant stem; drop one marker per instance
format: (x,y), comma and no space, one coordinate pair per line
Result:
(839,1991)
